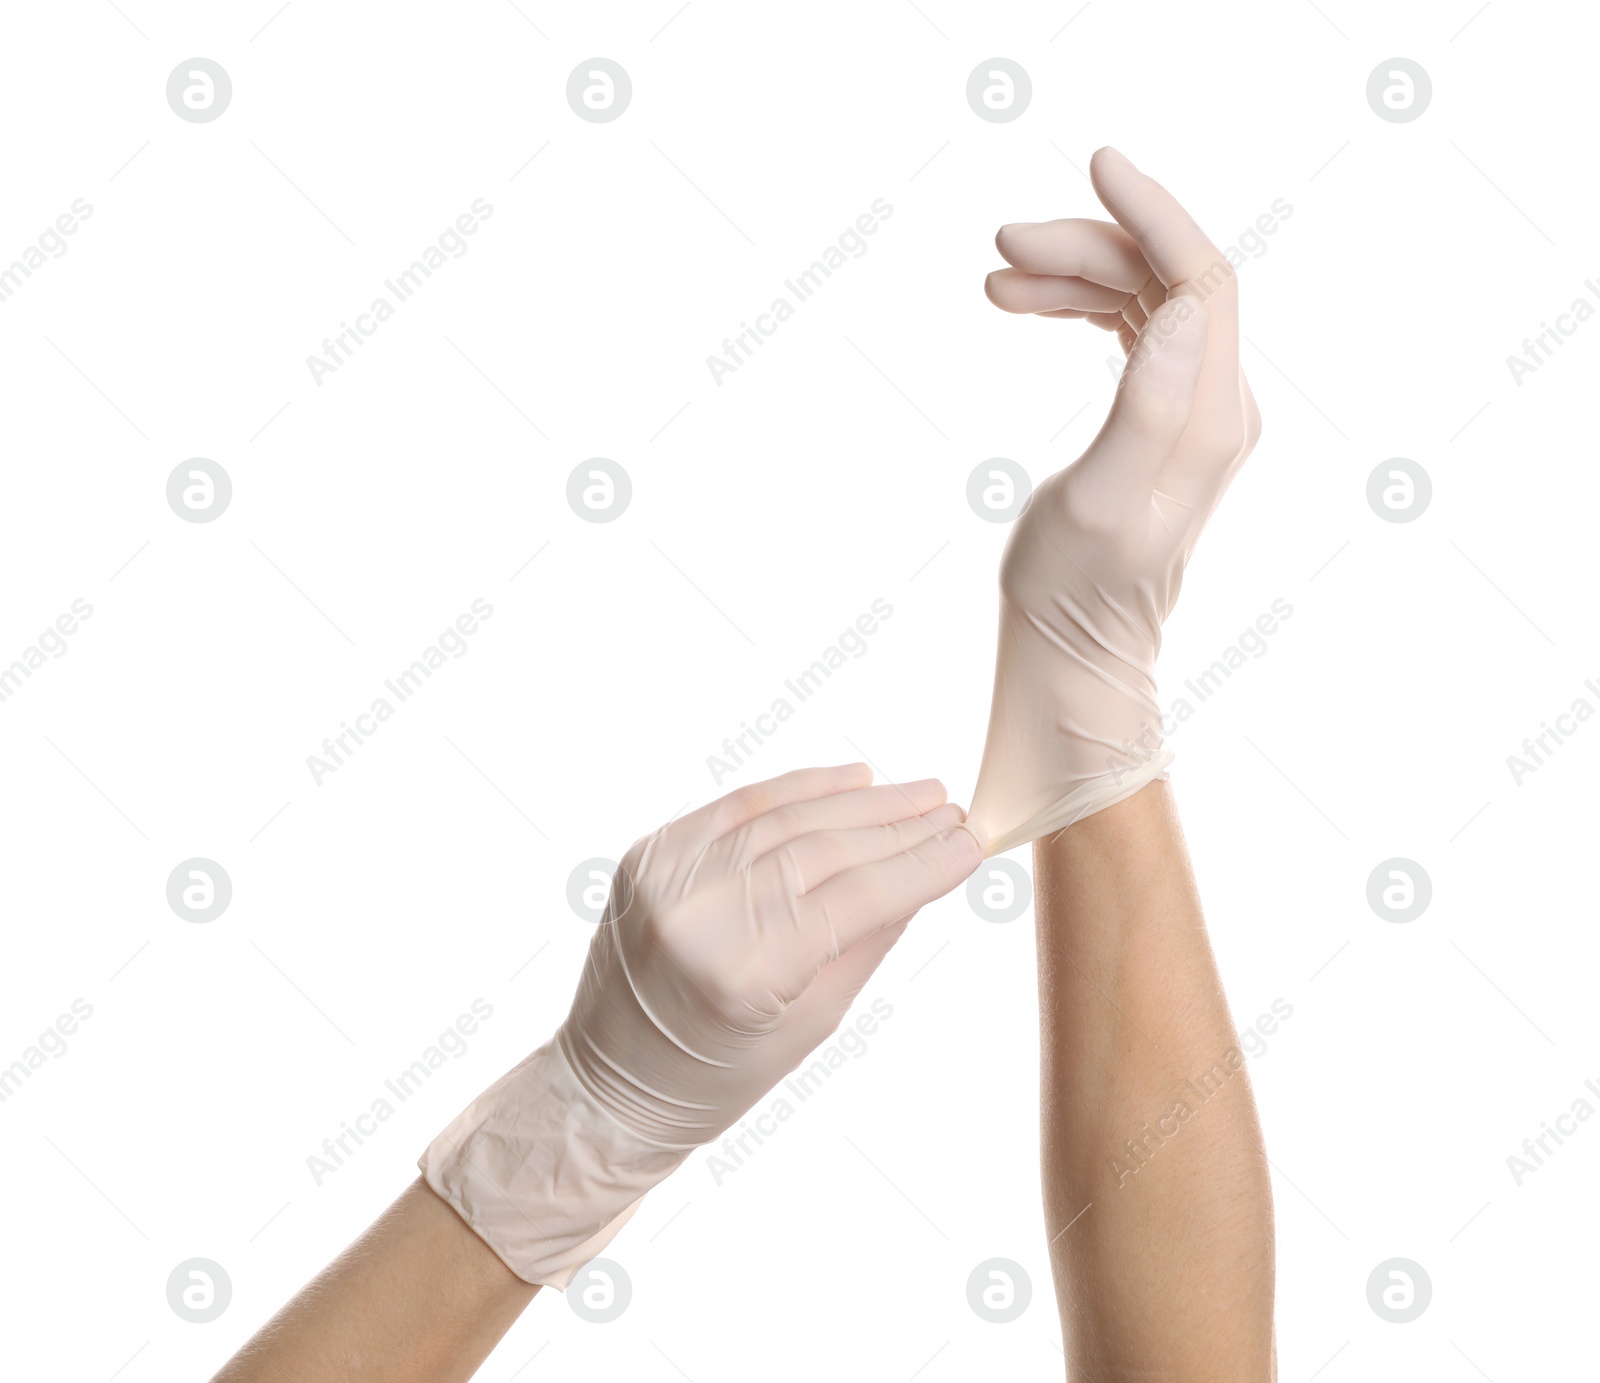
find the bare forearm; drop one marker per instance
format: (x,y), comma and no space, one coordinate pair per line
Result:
(1151,1148)
(419,1298)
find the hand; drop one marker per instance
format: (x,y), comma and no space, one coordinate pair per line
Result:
(734,941)
(1096,559)
(737,938)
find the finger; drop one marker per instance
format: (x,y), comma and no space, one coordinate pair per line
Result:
(807,862)
(1153,405)
(1187,262)
(1075,248)
(857,902)
(1166,235)
(1013,290)
(705,824)
(861,809)
(1106,321)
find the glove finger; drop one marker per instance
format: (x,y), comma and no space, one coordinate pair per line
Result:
(716,819)
(1077,248)
(1106,321)
(1013,290)
(842,811)
(1187,261)
(859,901)
(1166,235)
(809,861)
(1154,401)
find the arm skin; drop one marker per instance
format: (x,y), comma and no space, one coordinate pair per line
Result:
(418,1298)
(1168,1272)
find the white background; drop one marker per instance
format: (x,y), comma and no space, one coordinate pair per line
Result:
(767,514)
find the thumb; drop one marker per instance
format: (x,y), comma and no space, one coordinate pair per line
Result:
(1155,397)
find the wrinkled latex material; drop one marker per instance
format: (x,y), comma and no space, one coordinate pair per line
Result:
(540,1171)
(1095,561)
(734,941)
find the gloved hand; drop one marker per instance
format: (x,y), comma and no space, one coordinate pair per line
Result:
(735,940)
(1096,559)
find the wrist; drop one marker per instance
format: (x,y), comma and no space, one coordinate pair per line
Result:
(540,1171)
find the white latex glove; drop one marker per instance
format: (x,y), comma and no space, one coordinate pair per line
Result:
(1095,561)
(735,940)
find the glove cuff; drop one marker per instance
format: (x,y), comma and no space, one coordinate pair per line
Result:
(1085,800)
(540,1172)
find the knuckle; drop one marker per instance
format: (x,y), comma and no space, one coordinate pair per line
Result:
(727,987)
(740,805)
(790,821)
(653,929)
(1153,414)
(948,857)
(753,983)
(790,862)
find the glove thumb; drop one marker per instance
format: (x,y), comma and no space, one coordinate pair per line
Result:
(1155,397)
